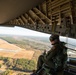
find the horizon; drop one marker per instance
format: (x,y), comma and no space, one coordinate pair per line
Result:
(21,31)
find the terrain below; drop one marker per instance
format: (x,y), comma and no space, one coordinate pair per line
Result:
(13,51)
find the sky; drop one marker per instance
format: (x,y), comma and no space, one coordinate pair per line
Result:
(21,31)
(26,32)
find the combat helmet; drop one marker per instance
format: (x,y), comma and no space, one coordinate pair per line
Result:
(54,37)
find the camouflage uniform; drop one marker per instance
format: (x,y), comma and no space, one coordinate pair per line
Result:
(55,58)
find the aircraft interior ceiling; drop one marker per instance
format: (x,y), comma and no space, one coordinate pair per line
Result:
(48,16)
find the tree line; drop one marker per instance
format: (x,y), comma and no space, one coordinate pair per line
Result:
(23,65)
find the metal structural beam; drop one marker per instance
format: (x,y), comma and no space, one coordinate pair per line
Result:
(52,16)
